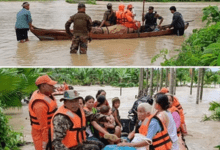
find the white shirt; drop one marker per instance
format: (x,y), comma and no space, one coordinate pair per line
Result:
(172,131)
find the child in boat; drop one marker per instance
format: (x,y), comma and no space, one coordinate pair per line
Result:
(115,112)
(101,101)
(110,126)
(99,93)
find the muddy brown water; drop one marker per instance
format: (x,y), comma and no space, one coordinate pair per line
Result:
(123,52)
(205,135)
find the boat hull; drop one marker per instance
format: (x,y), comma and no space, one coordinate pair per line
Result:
(56,34)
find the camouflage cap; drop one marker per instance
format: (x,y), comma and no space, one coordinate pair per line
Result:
(81,5)
(70,95)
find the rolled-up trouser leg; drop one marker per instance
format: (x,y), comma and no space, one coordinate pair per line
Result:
(83,44)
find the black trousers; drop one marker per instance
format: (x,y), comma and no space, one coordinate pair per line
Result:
(21,34)
(179,31)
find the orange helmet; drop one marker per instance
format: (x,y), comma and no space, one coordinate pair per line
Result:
(164,90)
(129,6)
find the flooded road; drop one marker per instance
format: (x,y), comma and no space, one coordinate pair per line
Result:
(205,135)
(123,52)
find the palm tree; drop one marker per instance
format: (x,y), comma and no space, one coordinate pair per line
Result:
(202,76)
(171,85)
(198,86)
(161,78)
(141,81)
(147,76)
(192,76)
(151,81)
(174,90)
(17,83)
(157,78)
(167,71)
(215,79)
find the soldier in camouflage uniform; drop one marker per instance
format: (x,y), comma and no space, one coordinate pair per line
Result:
(109,17)
(61,124)
(82,27)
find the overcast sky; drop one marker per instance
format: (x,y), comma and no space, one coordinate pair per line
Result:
(214,69)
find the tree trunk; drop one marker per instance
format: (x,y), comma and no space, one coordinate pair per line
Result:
(171,80)
(161,78)
(141,80)
(192,76)
(167,70)
(151,82)
(157,78)
(198,86)
(147,76)
(202,80)
(174,89)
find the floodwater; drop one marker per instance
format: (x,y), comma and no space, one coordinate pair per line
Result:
(123,52)
(205,135)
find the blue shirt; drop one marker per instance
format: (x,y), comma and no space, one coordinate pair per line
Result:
(153,128)
(23,19)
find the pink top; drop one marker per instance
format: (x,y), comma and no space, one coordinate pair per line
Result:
(176,118)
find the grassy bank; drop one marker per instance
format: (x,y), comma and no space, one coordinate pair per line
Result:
(202,48)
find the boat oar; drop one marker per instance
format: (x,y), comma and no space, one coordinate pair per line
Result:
(143,13)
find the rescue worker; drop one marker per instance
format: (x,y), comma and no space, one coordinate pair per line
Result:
(152,128)
(69,124)
(174,111)
(120,14)
(109,17)
(82,27)
(66,87)
(150,19)
(129,19)
(178,22)
(177,104)
(42,107)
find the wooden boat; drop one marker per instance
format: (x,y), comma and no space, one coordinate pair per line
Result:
(56,34)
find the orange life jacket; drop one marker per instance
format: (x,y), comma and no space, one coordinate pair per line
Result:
(173,109)
(120,14)
(129,21)
(65,87)
(77,133)
(161,141)
(176,103)
(51,104)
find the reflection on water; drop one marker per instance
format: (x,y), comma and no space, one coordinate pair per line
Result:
(54,14)
(200,131)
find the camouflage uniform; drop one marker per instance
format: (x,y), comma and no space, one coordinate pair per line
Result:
(82,27)
(63,123)
(109,16)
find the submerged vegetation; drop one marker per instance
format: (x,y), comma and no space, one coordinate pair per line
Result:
(202,48)
(9,139)
(215,109)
